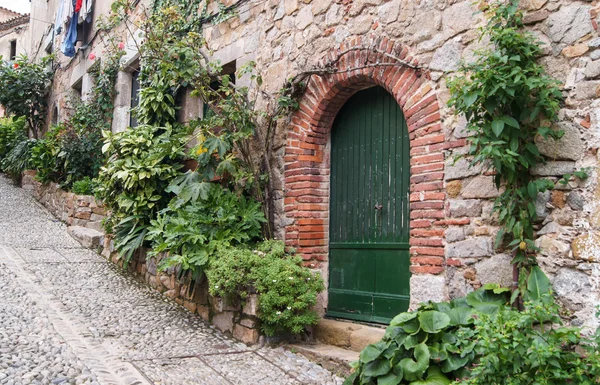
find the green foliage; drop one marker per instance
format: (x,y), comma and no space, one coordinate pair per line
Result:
(17,159)
(508,100)
(193,233)
(84,186)
(429,346)
(23,89)
(141,164)
(12,131)
(286,290)
(532,347)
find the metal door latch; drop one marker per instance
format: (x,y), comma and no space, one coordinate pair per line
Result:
(378,207)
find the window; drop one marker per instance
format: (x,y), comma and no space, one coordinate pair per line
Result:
(228,69)
(78,88)
(13,49)
(55,116)
(135,97)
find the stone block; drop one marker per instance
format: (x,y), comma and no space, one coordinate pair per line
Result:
(455,234)
(575,201)
(481,187)
(151,265)
(87,237)
(541,210)
(569,147)
(551,228)
(570,23)
(469,248)
(191,306)
(336,333)
(535,17)
(204,312)
(496,269)
(554,168)
(223,321)
(453,188)
(587,247)
(558,199)
(460,169)
(465,208)
(459,17)
(447,57)
(573,287)
(552,247)
(425,288)
(249,322)
(575,50)
(246,335)
(361,338)
(251,305)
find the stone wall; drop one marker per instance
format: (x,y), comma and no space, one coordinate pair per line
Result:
(237,317)
(453,229)
(72,209)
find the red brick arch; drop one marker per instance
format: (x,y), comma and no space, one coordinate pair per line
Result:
(307,149)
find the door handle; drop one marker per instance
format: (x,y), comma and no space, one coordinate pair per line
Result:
(378,207)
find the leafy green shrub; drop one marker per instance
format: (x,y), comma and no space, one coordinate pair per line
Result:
(287,291)
(84,186)
(191,233)
(23,89)
(509,100)
(141,164)
(430,345)
(532,347)
(17,160)
(12,131)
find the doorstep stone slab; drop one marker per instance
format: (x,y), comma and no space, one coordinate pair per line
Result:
(347,335)
(89,238)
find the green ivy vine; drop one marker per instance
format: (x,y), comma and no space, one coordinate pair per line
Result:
(508,101)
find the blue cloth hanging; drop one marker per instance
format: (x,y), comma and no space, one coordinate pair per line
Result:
(68,45)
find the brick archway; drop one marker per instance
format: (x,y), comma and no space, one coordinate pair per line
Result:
(307,149)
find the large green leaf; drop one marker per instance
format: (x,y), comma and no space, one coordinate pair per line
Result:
(480,298)
(389,379)
(377,368)
(401,318)
(538,283)
(434,377)
(454,362)
(433,321)
(460,316)
(413,370)
(370,353)
(498,127)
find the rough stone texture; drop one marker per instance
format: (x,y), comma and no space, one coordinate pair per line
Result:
(569,147)
(67,316)
(473,247)
(496,269)
(481,187)
(570,23)
(461,169)
(87,237)
(425,288)
(465,208)
(447,58)
(552,168)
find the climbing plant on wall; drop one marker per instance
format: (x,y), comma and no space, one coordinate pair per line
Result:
(509,100)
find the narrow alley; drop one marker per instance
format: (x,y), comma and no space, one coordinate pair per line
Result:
(67,316)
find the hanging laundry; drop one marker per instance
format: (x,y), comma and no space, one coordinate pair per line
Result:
(68,9)
(78,5)
(86,11)
(68,45)
(59,22)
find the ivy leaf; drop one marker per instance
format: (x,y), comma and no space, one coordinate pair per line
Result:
(510,121)
(498,127)
(469,99)
(434,377)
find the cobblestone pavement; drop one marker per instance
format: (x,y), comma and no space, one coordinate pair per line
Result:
(69,317)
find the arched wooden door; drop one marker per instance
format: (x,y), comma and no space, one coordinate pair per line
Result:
(369,209)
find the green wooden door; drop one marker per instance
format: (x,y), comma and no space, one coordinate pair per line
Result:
(369,209)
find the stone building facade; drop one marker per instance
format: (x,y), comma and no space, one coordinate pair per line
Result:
(410,49)
(14,36)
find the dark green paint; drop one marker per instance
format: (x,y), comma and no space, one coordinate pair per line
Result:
(369,248)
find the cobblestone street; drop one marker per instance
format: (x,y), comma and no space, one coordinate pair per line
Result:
(67,316)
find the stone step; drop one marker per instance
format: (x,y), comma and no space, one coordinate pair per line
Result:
(332,358)
(347,335)
(89,238)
